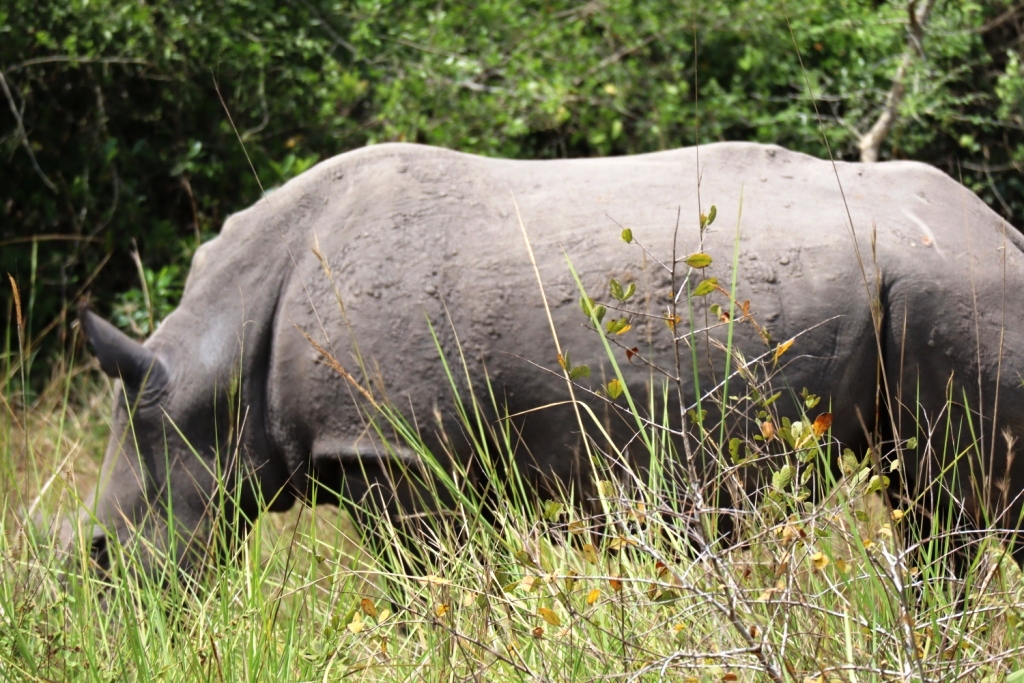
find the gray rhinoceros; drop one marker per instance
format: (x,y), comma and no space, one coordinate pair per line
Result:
(236,393)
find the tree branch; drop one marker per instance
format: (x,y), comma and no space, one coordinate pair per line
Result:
(23,134)
(871,142)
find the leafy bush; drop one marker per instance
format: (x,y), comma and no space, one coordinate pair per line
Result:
(153,122)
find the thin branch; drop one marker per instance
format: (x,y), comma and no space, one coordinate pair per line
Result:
(62,59)
(1008,15)
(326,26)
(871,141)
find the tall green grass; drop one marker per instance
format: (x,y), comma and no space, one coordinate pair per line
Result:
(627,578)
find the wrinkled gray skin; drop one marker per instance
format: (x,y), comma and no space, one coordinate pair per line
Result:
(410,230)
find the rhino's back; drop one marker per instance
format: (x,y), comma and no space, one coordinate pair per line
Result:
(364,249)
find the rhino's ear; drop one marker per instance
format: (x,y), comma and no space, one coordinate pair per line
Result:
(120,356)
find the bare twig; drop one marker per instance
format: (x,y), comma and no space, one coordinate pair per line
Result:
(24,135)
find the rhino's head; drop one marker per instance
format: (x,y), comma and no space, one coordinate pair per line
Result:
(162,465)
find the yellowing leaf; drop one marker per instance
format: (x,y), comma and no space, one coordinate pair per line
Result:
(768,430)
(614,389)
(441,610)
(528,583)
(618,326)
(698,260)
(538,632)
(590,553)
(615,583)
(619,542)
(549,616)
(357,623)
(384,614)
(843,566)
(820,560)
(897,515)
(822,424)
(432,580)
(781,349)
(369,609)
(592,596)
(673,321)
(606,488)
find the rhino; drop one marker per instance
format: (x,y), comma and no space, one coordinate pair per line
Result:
(342,292)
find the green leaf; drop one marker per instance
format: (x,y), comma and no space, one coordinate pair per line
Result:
(849,462)
(523,557)
(616,289)
(782,477)
(590,308)
(878,483)
(712,214)
(810,400)
(698,260)
(552,510)
(579,372)
(705,287)
(627,235)
(734,449)
(630,291)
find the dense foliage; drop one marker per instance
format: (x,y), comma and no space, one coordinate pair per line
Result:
(131,125)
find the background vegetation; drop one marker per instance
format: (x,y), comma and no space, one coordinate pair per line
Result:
(140,126)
